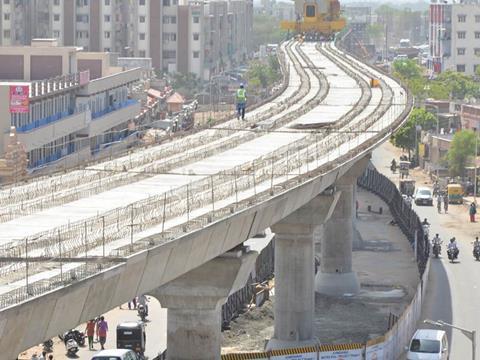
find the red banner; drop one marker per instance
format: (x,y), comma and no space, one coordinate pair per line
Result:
(19,95)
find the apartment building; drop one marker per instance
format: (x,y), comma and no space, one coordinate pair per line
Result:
(202,37)
(454,36)
(66,105)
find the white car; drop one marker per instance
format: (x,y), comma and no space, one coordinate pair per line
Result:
(423,196)
(115,354)
(428,344)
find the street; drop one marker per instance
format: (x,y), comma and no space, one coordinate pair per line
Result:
(452,290)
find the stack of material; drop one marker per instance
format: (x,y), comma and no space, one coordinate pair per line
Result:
(14,166)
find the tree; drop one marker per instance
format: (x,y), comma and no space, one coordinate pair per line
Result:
(266,30)
(458,85)
(263,74)
(405,136)
(461,149)
(186,84)
(407,69)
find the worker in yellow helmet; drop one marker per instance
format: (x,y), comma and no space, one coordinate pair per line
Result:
(241,100)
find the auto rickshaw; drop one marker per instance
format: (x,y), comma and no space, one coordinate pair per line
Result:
(131,336)
(404,168)
(455,193)
(407,187)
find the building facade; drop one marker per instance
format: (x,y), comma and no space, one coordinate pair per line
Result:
(202,37)
(454,37)
(66,106)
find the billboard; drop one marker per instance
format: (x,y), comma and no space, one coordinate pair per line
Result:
(19,98)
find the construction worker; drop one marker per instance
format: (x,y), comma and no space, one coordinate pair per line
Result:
(241,100)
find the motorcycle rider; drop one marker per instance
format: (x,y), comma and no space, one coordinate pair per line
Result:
(425,222)
(142,300)
(476,242)
(453,247)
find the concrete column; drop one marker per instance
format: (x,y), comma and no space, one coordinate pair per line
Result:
(336,277)
(194,302)
(294,273)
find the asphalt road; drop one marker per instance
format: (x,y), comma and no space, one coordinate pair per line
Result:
(453,293)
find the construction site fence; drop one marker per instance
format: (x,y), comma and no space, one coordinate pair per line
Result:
(236,302)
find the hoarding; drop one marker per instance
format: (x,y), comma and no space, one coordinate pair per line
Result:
(19,98)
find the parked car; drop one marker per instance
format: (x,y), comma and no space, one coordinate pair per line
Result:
(115,354)
(423,196)
(428,344)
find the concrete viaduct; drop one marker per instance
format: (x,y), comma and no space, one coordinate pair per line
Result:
(183,210)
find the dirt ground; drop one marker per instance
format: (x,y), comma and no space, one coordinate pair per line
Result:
(388,277)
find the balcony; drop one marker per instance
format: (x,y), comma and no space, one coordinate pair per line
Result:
(52,128)
(111,82)
(113,116)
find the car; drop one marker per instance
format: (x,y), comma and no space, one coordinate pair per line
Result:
(428,344)
(423,196)
(115,354)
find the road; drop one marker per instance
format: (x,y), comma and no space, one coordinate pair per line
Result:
(453,289)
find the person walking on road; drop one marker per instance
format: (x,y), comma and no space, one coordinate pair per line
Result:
(90,331)
(439,203)
(445,203)
(472,211)
(102,331)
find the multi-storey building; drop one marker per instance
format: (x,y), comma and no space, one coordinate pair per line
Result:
(202,37)
(66,105)
(454,36)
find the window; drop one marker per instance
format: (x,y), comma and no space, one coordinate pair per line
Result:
(169,54)
(56,2)
(169,37)
(477,34)
(56,34)
(82,2)
(82,34)
(477,18)
(142,19)
(56,17)
(173,19)
(461,68)
(460,51)
(196,19)
(461,34)
(142,36)
(6,34)
(107,2)
(106,18)
(174,2)
(477,51)
(196,54)
(166,2)
(6,16)
(462,18)
(107,49)
(142,53)
(142,2)
(106,34)
(6,2)
(82,18)
(196,36)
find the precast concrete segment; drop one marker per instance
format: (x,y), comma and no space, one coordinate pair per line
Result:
(294,272)
(335,276)
(194,302)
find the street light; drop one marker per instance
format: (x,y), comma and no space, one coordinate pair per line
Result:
(472,335)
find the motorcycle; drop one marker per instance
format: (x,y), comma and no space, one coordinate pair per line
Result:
(71,346)
(437,249)
(476,252)
(452,254)
(48,345)
(142,312)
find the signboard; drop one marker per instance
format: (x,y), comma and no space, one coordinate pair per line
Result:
(304,356)
(84,77)
(19,95)
(374,350)
(342,354)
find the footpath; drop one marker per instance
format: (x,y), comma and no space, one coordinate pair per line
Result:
(388,277)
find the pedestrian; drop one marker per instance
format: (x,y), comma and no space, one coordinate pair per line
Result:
(43,356)
(102,331)
(241,100)
(445,202)
(439,202)
(97,320)
(90,331)
(134,301)
(472,211)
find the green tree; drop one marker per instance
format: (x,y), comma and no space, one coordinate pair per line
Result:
(405,136)
(461,150)
(438,91)
(186,84)
(263,74)
(407,69)
(458,85)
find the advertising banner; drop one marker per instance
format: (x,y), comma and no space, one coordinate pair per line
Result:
(374,350)
(341,352)
(19,95)
(305,353)
(84,77)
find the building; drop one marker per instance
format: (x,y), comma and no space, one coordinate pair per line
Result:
(454,38)
(202,37)
(66,105)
